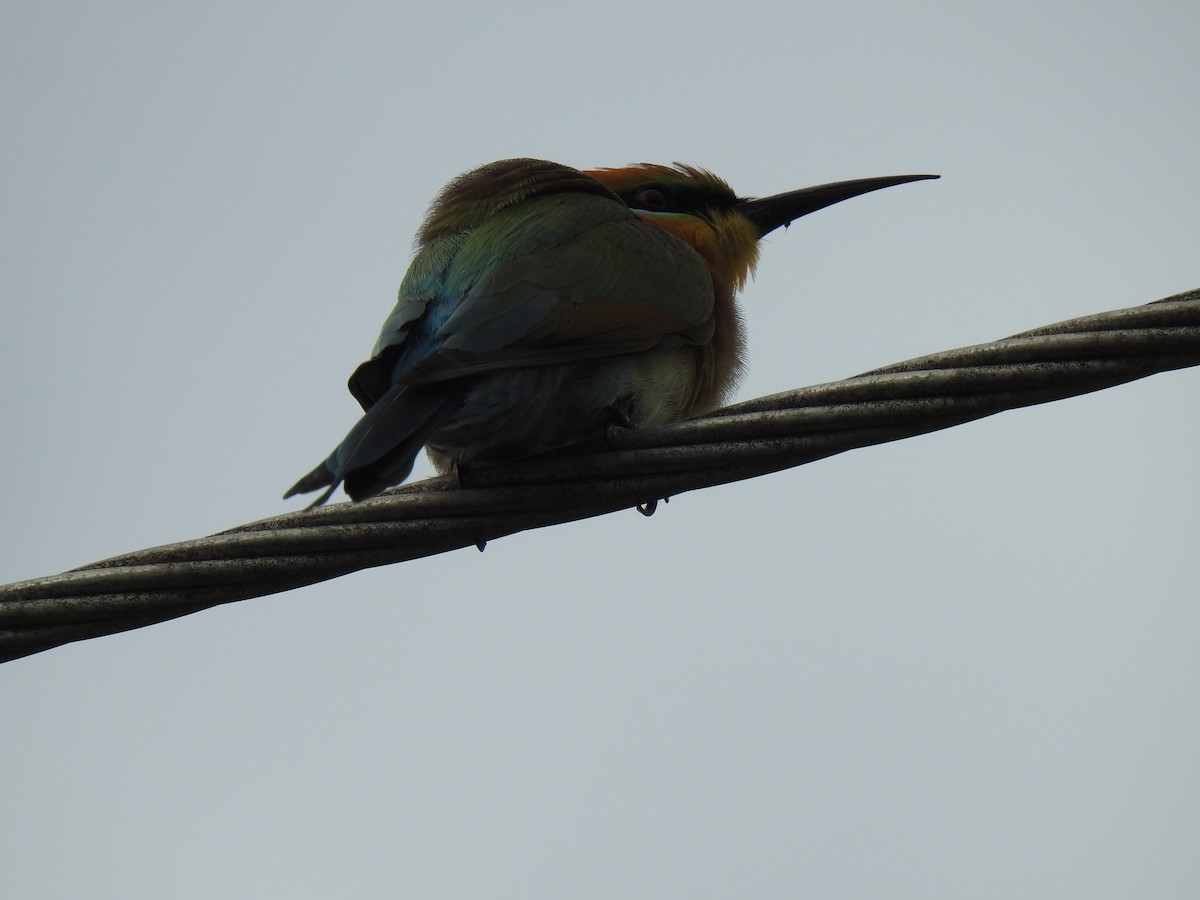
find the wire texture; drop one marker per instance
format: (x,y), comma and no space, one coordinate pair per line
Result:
(633,468)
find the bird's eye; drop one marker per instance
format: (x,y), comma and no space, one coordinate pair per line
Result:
(652,199)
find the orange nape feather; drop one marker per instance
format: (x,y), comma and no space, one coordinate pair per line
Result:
(625,178)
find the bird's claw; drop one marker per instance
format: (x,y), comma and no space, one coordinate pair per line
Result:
(459,470)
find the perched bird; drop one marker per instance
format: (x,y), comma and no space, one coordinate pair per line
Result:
(546,303)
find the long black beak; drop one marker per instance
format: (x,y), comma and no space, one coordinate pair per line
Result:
(768,213)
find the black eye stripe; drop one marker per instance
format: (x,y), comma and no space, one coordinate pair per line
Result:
(656,198)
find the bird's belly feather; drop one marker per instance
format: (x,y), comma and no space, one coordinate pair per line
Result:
(516,413)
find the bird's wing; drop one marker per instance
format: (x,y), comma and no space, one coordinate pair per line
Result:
(562,279)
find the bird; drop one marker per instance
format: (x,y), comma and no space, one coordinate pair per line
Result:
(545,304)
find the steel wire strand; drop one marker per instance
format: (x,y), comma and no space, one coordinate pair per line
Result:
(637,466)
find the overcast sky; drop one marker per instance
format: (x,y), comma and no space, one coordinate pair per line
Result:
(962,665)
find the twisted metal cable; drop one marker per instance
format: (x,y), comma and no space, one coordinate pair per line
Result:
(636,468)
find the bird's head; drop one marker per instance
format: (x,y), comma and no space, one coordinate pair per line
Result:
(703,210)
(691,203)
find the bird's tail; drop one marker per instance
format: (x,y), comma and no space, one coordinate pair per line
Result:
(380,450)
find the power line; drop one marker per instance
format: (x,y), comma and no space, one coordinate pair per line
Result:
(633,468)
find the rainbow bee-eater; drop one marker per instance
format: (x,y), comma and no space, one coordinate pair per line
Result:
(545,304)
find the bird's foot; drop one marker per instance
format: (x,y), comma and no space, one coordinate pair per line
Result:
(620,418)
(460,470)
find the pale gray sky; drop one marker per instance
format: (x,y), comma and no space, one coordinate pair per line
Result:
(958,666)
